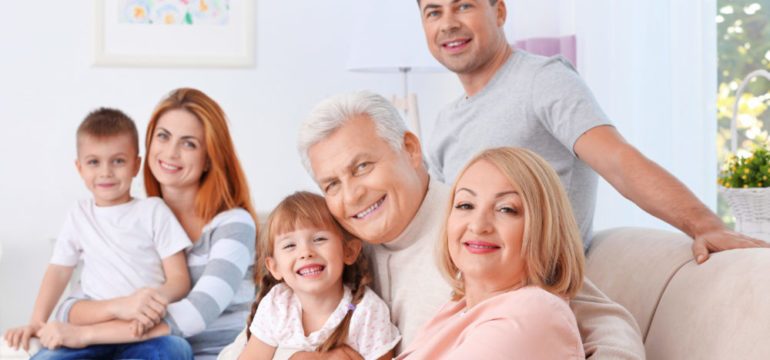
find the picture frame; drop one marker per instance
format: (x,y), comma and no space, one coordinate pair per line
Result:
(140,33)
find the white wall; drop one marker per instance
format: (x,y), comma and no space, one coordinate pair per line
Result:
(47,86)
(652,66)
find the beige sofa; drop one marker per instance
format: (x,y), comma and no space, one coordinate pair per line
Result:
(717,310)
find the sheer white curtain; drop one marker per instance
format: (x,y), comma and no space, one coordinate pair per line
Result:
(652,66)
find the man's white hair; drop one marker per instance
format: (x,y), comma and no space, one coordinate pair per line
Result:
(334,112)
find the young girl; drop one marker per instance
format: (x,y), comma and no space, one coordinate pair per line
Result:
(313,293)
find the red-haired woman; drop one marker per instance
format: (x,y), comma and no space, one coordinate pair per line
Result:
(191,164)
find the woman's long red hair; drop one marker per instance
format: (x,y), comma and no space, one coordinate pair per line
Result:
(224,185)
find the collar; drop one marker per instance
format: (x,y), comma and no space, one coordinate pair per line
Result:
(429,217)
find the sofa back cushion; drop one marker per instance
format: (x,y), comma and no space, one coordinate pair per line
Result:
(633,266)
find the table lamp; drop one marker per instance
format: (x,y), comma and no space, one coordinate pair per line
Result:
(388,38)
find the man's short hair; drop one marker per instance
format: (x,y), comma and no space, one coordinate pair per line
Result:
(106,122)
(334,112)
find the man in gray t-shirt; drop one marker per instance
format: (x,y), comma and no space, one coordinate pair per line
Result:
(516,99)
(550,108)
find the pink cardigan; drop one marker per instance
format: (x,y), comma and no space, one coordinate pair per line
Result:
(528,323)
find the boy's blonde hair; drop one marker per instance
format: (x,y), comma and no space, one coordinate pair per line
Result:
(307,210)
(106,122)
(551,247)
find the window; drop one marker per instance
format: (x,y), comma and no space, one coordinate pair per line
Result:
(743,45)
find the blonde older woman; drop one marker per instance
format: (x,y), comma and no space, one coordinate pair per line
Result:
(512,253)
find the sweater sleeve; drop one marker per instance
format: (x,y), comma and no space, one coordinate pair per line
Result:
(608,329)
(230,254)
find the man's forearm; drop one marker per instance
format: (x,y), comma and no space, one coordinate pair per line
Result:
(644,182)
(656,191)
(659,193)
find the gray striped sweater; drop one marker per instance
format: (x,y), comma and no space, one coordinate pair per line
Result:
(221,264)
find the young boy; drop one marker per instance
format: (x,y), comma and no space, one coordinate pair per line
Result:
(127,245)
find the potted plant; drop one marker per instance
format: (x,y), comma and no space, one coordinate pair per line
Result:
(745,181)
(749,172)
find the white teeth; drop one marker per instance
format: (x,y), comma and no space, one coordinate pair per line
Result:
(374,206)
(479,246)
(454,43)
(167,166)
(311,270)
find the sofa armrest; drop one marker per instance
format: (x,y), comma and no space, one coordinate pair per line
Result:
(717,310)
(8,353)
(633,266)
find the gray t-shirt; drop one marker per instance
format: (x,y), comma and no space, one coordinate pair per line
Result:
(533,102)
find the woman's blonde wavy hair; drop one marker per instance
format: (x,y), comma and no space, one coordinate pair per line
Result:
(552,249)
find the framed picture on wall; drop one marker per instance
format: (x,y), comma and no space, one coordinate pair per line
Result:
(184,33)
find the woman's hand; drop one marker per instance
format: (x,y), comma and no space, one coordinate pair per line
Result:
(56,334)
(20,336)
(146,306)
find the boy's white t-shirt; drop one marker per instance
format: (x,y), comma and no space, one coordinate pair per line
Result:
(121,246)
(278,323)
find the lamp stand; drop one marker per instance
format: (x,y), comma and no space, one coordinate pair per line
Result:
(408,104)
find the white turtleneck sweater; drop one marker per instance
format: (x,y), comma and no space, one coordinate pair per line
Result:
(406,271)
(406,276)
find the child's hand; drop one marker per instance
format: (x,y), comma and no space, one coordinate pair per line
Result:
(137,329)
(146,305)
(55,334)
(20,336)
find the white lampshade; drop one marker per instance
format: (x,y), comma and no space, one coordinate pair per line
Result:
(387,36)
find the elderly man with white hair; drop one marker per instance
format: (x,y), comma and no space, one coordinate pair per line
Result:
(371,172)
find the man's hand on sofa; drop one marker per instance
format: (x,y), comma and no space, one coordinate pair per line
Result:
(721,239)
(19,337)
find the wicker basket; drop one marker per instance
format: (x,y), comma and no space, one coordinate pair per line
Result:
(751,206)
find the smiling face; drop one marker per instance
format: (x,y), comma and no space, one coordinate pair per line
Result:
(107,165)
(464,35)
(311,260)
(373,190)
(177,153)
(485,228)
